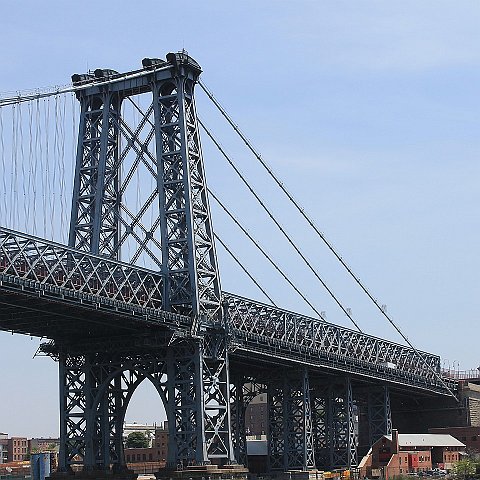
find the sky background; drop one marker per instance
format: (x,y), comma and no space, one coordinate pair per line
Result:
(368,110)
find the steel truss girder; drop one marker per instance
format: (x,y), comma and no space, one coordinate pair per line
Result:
(166,143)
(290,440)
(191,377)
(262,328)
(379,413)
(333,425)
(63,270)
(36,267)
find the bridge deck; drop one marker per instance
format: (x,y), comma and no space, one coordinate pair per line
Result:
(52,291)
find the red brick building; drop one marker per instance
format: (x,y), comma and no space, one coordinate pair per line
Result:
(160,442)
(256,422)
(17,449)
(399,454)
(141,455)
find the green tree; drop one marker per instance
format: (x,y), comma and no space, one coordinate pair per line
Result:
(464,468)
(137,440)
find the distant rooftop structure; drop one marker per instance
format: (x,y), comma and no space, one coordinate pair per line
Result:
(426,440)
(473,374)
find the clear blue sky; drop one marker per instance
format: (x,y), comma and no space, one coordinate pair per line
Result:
(369,110)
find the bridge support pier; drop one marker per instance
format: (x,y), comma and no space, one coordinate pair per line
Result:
(191,376)
(290,442)
(333,425)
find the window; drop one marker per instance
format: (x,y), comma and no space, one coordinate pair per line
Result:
(150,457)
(474,438)
(144,457)
(128,458)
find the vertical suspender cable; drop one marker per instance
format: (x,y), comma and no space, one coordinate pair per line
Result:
(13,199)
(63,226)
(31,179)
(25,224)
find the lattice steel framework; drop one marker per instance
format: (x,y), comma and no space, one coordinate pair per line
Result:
(379,413)
(95,389)
(321,421)
(299,438)
(261,328)
(52,266)
(276,425)
(172,228)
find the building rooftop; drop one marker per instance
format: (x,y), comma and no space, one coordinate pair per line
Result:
(426,440)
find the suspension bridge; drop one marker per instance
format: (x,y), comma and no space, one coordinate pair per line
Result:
(107,251)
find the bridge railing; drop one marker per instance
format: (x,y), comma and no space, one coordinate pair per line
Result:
(306,334)
(30,258)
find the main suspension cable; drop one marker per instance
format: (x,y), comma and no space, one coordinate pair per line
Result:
(319,233)
(265,254)
(278,225)
(240,264)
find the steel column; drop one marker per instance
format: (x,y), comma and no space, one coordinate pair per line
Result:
(276,423)
(321,420)
(290,440)
(298,422)
(379,413)
(95,208)
(189,258)
(216,397)
(343,450)
(333,426)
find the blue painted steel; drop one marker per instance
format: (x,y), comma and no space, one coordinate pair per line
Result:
(40,466)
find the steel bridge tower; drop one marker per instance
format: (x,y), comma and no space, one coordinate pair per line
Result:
(191,372)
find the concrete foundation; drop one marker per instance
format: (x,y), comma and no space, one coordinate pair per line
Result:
(204,472)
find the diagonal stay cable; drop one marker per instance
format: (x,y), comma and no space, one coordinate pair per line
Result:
(320,234)
(265,254)
(240,264)
(279,226)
